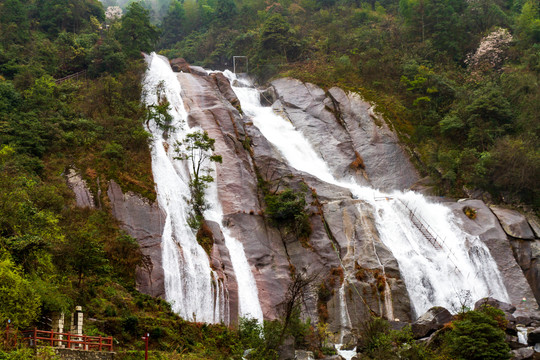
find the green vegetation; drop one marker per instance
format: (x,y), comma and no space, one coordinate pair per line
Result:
(287,210)
(472,335)
(197,148)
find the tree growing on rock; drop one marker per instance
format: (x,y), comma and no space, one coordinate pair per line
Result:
(197,148)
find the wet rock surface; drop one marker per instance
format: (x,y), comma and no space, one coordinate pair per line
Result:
(487,227)
(357,143)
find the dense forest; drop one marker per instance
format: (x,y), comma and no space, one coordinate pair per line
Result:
(458,80)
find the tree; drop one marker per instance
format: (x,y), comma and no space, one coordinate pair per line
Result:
(20,303)
(196,148)
(276,37)
(226,10)
(136,33)
(173,25)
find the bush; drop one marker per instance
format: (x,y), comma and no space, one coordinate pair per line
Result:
(287,210)
(478,335)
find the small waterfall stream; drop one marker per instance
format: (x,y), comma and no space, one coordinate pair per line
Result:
(191,286)
(429,273)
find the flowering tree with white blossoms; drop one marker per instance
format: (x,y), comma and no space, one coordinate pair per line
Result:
(113,13)
(491,51)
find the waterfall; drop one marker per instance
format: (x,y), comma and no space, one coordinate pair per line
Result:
(249,305)
(461,270)
(191,286)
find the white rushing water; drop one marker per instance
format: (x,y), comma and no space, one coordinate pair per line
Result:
(249,305)
(191,286)
(462,270)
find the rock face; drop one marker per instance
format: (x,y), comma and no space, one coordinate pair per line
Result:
(487,227)
(353,132)
(83,196)
(144,222)
(527,254)
(433,320)
(514,223)
(344,245)
(352,274)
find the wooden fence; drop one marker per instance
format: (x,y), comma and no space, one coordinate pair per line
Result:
(37,337)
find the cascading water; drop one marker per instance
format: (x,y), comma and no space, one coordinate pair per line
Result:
(190,285)
(448,275)
(248,296)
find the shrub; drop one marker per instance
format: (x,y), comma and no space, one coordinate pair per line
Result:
(478,335)
(287,210)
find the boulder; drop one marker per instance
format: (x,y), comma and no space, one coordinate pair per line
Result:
(304,355)
(526,353)
(268,96)
(534,223)
(433,320)
(534,336)
(83,196)
(386,162)
(286,349)
(180,65)
(505,307)
(513,222)
(524,320)
(349,342)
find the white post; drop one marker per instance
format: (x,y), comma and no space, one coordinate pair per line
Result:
(58,326)
(77,323)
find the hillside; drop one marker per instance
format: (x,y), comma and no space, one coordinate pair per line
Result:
(457,82)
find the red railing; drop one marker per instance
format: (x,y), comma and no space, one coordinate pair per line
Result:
(67,340)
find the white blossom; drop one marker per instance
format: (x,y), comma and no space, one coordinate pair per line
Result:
(113,13)
(491,52)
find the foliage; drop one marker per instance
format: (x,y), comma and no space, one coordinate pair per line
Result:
(378,341)
(20,303)
(287,210)
(196,148)
(478,335)
(136,33)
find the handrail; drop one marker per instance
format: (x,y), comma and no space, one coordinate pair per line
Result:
(56,339)
(430,234)
(75,75)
